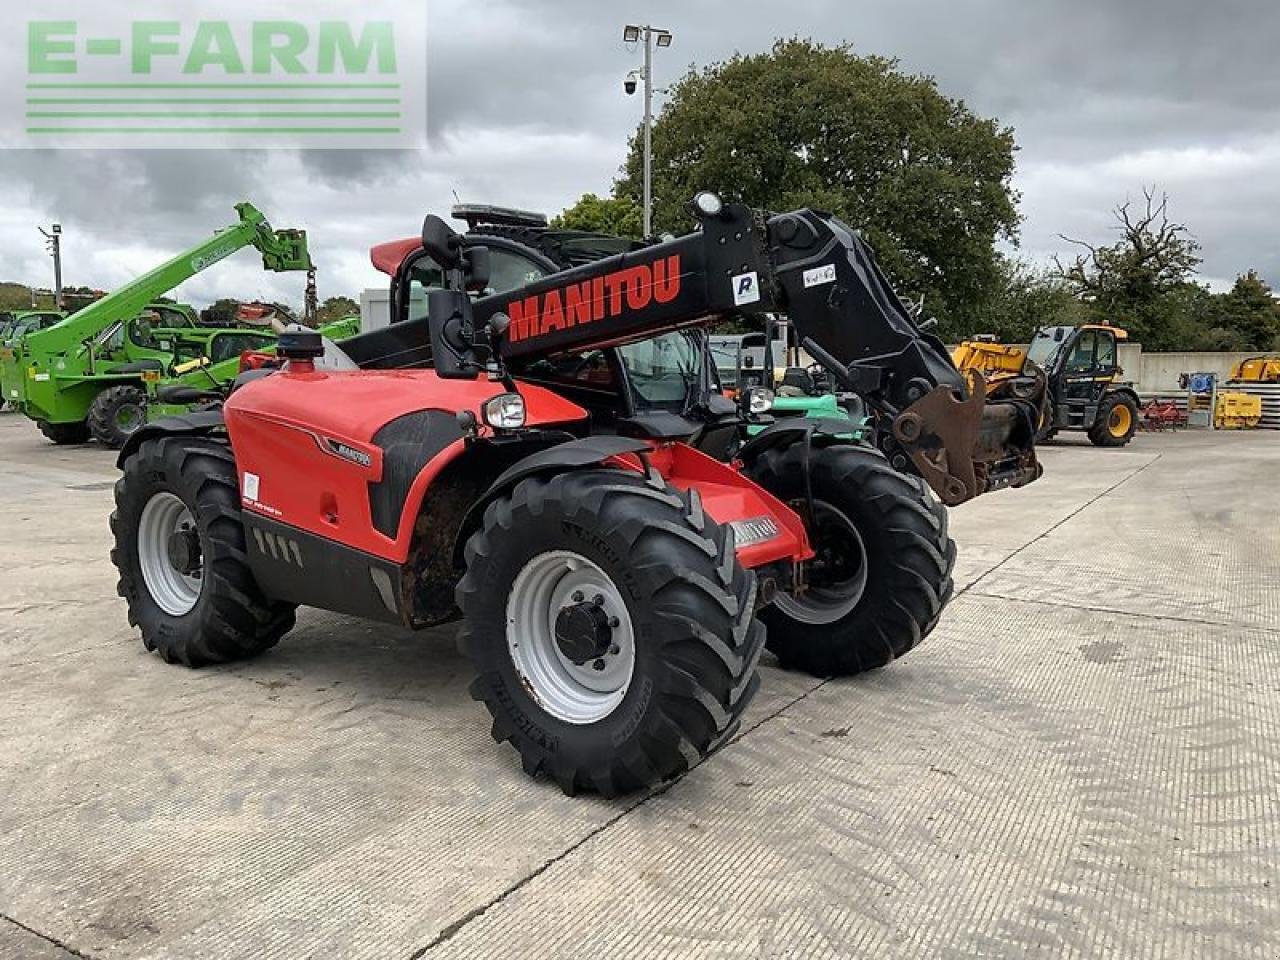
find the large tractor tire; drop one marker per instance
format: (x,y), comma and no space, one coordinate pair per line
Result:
(1117,421)
(611,628)
(116,414)
(64,434)
(180,550)
(882,573)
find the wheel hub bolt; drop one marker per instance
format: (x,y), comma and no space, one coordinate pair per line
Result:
(583,633)
(598,665)
(183,549)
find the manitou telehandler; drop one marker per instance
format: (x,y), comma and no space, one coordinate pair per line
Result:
(550,463)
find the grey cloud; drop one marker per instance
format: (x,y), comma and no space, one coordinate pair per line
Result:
(526,107)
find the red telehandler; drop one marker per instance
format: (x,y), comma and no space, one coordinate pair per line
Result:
(554,465)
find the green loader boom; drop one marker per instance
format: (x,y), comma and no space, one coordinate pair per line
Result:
(59,374)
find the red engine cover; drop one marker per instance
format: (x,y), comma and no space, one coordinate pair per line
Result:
(305,450)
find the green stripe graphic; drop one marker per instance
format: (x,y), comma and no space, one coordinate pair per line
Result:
(249,100)
(213,86)
(275,114)
(149,130)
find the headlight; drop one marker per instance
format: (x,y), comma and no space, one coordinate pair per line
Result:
(504,412)
(759,400)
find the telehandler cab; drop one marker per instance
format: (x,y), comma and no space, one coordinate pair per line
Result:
(550,462)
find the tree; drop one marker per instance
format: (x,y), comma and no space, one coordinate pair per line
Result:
(805,125)
(337,308)
(1140,281)
(1250,312)
(1025,299)
(618,216)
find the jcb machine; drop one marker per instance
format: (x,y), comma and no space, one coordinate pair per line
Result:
(564,479)
(1264,369)
(86,374)
(1080,365)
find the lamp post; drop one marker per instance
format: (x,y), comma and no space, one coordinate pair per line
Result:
(54,241)
(651,35)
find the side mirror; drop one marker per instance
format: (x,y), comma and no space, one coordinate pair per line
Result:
(454,352)
(441,242)
(477,266)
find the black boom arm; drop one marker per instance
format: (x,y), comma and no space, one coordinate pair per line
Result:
(804,264)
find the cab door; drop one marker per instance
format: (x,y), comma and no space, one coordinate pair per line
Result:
(1089,366)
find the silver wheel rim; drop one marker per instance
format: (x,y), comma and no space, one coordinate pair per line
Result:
(827,604)
(173,591)
(575,693)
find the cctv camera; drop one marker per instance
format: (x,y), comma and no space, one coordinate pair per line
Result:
(629,85)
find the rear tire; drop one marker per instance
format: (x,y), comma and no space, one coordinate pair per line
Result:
(1117,421)
(207,607)
(682,641)
(64,434)
(883,572)
(116,414)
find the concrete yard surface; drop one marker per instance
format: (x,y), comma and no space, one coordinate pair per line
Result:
(1083,760)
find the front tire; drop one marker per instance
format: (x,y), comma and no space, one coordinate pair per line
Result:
(180,550)
(64,434)
(882,574)
(116,414)
(611,628)
(1117,421)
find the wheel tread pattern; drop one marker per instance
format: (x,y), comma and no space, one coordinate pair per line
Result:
(232,620)
(906,599)
(700,605)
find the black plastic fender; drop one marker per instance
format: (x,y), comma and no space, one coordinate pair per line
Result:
(196,424)
(559,458)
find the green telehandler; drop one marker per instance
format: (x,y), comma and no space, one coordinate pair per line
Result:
(209,381)
(15,324)
(87,375)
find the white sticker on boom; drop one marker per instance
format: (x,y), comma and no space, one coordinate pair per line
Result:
(251,483)
(820,275)
(746,288)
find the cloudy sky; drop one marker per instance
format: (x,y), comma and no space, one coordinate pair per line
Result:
(526,108)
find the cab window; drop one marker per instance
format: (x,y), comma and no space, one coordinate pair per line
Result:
(508,269)
(172,319)
(1082,351)
(1105,355)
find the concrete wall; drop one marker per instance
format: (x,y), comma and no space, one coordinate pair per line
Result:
(1155,372)
(1159,372)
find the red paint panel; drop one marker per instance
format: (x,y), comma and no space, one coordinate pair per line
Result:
(280,426)
(388,257)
